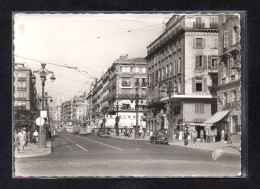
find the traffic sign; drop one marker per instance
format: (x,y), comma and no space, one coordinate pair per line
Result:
(40,121)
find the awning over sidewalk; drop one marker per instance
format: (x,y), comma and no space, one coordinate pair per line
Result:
(215,118)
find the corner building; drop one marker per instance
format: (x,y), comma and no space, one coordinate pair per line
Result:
(119,87)
(182,73)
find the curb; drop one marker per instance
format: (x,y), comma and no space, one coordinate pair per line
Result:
(212,150)
(34,155)
(172,144)
(46,152)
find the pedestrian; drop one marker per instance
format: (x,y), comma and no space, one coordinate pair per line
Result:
(222,135)
(181,136)
(93,136)
(229,141)
(16,141)
(186,134)
(22,138)
(151,133)
(201,136)
(35,137)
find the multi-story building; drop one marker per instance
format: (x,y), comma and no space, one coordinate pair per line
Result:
(78,108)
(26,104)
(122,84)
(66,111)
(229,77)
(182,73)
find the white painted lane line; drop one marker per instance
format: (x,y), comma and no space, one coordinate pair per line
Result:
(101,143)
(76,144)
(138,148)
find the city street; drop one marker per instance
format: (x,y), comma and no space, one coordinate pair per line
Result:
(74,155)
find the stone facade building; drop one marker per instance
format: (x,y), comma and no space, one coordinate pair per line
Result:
(119,86)
(26,103)
(229,80)
(182,73)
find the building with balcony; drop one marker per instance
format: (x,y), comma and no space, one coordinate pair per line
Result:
(25,102)
(66,112)
(229,77)
(121,85)
(182,73)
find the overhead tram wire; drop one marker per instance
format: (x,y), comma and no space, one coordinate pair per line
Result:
(64,66)
(97,37)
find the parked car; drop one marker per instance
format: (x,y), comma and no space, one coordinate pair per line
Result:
(103,133)
(158,137)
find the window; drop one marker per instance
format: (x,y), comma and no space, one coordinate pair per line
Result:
(197,84)
(199,62)
(179,86)
(179,65)
(224,99)
(126,69)
(199,43)
(225,39)
(143,70)
(233,36)
(234,95)
(137,69)
(198,87)
(214,22)
(199,108)
(125,81)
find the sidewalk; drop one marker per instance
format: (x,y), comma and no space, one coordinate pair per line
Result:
(32,150)
(224,147)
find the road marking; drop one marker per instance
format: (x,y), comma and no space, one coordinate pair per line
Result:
(137,148)
(101,143)
(77,144)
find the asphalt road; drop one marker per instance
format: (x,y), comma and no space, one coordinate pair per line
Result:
(75,156)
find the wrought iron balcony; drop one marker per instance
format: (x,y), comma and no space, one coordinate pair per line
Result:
(198,25)
(214,25)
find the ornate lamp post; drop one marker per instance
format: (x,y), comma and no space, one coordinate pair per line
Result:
(43,72)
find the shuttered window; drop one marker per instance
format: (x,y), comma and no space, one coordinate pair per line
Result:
(204,62)
(199,61)
(209,61)
(199,43)
(205,85)
(225,39)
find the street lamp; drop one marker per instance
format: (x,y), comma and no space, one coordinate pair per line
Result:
(43,72)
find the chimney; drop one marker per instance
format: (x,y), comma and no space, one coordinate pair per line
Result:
(124,57)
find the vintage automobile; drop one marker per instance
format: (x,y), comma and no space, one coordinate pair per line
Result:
(103,133)
(158,137)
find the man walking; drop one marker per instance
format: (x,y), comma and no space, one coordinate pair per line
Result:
(22,138)
(186,134)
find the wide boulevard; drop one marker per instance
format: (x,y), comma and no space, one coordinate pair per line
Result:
(74,156)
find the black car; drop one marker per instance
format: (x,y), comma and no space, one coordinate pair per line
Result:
(158,138)
(103,133)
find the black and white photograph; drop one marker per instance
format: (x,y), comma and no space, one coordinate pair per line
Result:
(128,94)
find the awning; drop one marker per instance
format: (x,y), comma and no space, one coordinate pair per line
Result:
(215,118)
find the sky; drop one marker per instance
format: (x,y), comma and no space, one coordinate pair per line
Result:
(91,42)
